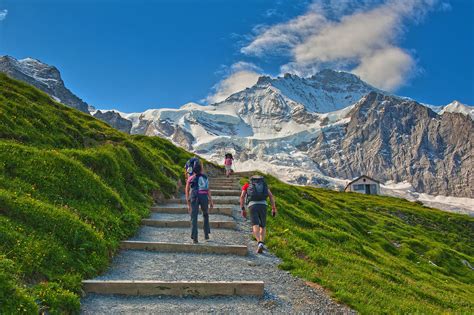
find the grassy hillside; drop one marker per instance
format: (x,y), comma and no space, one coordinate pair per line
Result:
(377,254)
(71,188)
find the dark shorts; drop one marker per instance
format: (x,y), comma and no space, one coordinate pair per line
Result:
(258,215)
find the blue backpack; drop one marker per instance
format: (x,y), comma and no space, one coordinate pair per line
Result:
(200,183)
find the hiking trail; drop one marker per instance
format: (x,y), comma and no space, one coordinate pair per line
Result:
(161,271)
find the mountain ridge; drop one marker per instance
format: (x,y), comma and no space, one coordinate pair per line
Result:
(44,77)
(273,124)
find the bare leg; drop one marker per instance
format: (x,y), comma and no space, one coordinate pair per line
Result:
(262,234)
(256,232)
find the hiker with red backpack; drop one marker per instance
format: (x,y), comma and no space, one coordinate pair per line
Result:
(198,195)
(255,194)
(228,160)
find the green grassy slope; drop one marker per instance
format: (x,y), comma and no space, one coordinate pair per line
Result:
(377,254)
(71,188)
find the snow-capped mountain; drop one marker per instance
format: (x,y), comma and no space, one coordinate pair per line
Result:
(324,129)
(455,107)
(321,130)
(45,77)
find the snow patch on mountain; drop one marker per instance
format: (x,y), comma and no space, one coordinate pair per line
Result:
(452,204)
(35,69)
(453,107)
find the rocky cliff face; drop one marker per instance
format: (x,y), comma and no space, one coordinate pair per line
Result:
(114,119)
(396,139)
(44,77)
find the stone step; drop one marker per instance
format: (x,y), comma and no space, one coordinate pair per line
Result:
(214,187)
(224,181)
(218,200)
(186,217)
(222,192)
(183,235)
(239,250)
(174,288)
(184,209)
(184,224)
(227,185)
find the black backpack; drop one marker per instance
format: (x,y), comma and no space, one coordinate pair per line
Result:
(258,189)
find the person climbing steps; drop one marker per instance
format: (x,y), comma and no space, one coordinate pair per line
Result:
(198,195)
(255,195)
(228,161)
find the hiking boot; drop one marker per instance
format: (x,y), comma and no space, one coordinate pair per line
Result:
(206,237)
(195,240)
(260,248)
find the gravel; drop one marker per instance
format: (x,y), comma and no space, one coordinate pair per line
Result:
(283,292)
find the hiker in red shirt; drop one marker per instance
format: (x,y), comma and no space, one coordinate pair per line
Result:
(255,195)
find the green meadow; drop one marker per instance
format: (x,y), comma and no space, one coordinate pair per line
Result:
(376,254)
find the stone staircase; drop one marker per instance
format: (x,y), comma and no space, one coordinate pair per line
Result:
(165,236)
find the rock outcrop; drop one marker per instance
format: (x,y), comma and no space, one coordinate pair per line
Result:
(45,77)
(114,119)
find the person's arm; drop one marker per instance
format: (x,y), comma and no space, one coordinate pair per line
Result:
(211,202)
(272,202)
(242,201)
(186,190)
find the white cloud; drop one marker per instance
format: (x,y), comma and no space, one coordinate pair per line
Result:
(282,37)
(357,36)
(241,76)
(3,14)
(387,68)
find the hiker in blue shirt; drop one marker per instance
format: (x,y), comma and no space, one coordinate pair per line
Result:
(198,194)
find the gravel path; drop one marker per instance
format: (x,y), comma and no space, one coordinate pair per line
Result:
(283,292)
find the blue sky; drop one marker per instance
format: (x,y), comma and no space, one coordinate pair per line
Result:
(136,55)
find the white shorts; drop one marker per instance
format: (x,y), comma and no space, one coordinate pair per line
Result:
(228,167)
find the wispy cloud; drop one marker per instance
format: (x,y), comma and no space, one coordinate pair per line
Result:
(3,14)
(357,36)
(240,76)
(282,37)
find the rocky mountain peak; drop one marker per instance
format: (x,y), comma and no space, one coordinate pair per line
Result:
(458,107)
(43,76)
(326,91)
